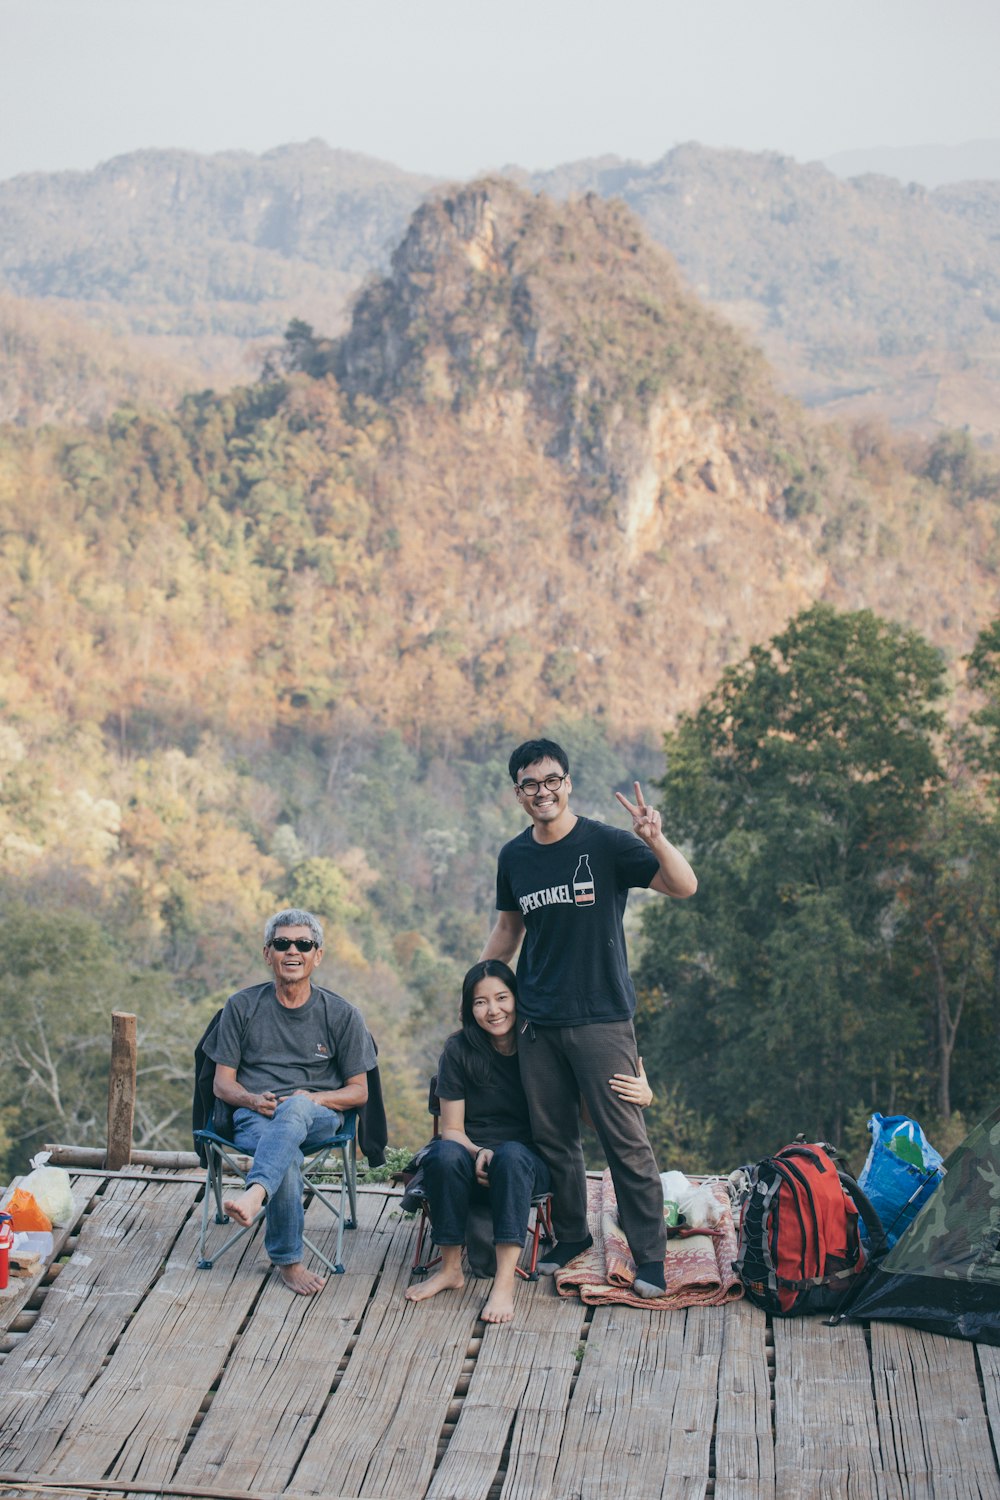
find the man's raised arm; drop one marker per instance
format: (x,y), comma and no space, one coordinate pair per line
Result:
(675,876)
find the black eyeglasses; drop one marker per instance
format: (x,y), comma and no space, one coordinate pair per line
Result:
(551,784)
(304,945)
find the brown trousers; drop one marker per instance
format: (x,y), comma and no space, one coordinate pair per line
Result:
(559,1064)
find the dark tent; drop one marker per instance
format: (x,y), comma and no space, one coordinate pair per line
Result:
(943,1273)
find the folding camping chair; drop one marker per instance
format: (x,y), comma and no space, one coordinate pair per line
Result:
(415,1198)
(219,1152)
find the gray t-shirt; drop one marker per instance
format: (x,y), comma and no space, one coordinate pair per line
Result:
(316,1046)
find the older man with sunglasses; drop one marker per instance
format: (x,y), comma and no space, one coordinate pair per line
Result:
(289,1058)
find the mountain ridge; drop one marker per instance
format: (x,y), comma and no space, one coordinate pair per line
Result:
(857,291)
(867,297)
(534,466)
(932,164)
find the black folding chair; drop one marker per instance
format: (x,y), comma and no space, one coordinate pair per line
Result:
(415,1200)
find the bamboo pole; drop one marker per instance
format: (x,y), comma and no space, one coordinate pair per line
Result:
(121,1091)
(94,1156)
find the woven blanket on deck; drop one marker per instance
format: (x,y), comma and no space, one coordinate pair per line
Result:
(698,1267)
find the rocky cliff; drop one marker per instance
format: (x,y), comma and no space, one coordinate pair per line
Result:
(535,478)
(690,508)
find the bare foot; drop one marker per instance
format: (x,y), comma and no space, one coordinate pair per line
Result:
(298,1279)
(442,1281)
(245,1207)
(500,1307)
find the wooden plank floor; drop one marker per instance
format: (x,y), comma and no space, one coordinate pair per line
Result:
(132,1373)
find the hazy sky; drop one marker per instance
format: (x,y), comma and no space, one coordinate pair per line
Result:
(454,86)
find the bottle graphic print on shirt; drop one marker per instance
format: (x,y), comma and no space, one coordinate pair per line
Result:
(583,883)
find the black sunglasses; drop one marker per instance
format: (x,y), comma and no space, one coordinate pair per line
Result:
(304,945)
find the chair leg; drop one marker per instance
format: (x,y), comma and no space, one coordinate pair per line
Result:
(531,1274)
(542,1229)
(213,1193)
(351,1174)
(425,1236)
(341,1214)
(347,1191)
(206,1264)
(203,1264)
(418,1268)
(335,1267)
(216,1187)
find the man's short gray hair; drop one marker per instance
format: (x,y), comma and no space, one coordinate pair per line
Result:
(293,918)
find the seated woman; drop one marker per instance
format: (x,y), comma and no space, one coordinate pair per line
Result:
(485,1140)
(485,1145)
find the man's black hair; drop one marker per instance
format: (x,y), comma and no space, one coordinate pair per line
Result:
(532,750)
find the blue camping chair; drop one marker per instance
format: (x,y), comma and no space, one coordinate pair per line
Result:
(337,1195)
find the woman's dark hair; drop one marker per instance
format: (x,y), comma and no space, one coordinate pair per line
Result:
(478,1049)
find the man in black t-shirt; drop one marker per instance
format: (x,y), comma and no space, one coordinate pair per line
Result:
(562,886)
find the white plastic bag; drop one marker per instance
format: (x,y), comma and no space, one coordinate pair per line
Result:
(699,1208)
(50,1188)
(31,1246)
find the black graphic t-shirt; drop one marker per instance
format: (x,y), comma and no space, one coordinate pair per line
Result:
(495,1111)
(573,969)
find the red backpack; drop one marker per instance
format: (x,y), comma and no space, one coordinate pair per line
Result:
(799,1247)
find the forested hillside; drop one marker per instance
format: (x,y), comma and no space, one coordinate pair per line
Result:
(202,259)
(55,367)
(868,296)
(274,645)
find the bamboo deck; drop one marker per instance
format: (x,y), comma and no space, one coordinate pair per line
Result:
(130,1372)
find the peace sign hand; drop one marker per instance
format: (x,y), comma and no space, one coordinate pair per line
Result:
(646,822)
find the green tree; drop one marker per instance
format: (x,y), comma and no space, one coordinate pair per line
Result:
(67,975)
(799,787)
(949,952)
(984,675)
(303,351)
(318,885)
(956,464)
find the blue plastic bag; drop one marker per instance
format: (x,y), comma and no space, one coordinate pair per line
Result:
(896,1186)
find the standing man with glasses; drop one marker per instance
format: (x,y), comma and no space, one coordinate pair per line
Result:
(289,1058)
(562,886)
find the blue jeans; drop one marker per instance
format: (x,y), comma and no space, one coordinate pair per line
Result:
(516,1174)
(276,1145)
